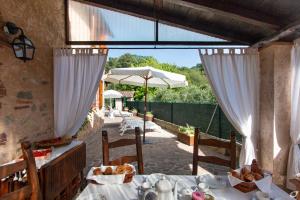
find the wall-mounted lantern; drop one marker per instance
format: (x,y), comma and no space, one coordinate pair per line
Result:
(22,46)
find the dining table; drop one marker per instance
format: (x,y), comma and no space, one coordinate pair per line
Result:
(130,191)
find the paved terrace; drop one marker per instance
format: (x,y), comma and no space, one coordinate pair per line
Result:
(165,155)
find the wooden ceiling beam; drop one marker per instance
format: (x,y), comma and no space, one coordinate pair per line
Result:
(288,30)
(232,11)
(174,20)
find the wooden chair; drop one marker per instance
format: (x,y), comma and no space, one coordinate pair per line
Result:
(121,143)
(230,146)
(32,189)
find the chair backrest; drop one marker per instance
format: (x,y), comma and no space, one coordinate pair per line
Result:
(230,146)
(32,189)
(121,143)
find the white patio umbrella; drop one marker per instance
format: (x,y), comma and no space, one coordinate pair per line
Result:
(111,94)
(148,77)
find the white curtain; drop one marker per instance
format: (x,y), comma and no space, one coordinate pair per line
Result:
(234,78)
(294,155)
(76,79)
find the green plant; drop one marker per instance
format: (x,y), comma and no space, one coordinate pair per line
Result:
(149,114)
(198,91)
(188,130)
(87,120)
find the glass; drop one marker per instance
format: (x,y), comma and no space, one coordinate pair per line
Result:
(171,33)
(90,23)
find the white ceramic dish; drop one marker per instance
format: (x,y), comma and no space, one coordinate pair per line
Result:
(215,182)
(262,195)
(203,187)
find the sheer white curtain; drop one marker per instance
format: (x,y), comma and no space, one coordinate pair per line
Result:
(76,79)
(234,78)
(294,155)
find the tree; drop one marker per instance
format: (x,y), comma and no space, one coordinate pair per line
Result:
(198,91)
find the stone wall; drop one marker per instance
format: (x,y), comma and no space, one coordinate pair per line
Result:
(275,109)
(26,108)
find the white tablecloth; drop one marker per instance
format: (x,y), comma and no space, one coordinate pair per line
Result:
(129,191)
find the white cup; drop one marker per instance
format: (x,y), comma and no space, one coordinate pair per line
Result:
(294,194)
(203,187)
(146,185)
(186,194)
(262,195)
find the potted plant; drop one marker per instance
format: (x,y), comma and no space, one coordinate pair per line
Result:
(186,134)
(149,116)
(134,112)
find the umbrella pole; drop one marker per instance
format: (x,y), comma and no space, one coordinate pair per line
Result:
(145,110)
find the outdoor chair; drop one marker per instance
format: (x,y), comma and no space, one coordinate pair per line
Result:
(121,143)
(230,146)
(15,189)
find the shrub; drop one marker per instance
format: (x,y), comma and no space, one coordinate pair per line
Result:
(149,114)
(188,130)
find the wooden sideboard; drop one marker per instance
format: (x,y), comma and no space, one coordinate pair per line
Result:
(61,175)
(61,178)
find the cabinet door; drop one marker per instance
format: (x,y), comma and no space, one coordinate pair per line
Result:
(58,175)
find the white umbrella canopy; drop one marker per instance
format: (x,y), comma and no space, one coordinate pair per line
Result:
(148,77)
(112,94)
(138,75)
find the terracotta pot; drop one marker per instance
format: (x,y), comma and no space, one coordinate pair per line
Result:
(185,139)
(149,118)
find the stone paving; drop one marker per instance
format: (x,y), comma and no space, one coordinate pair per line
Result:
(165,154)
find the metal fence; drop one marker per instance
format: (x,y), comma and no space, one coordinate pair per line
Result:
(197,115)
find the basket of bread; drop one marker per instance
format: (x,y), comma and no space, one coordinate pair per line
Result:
(112,174)
(249,178)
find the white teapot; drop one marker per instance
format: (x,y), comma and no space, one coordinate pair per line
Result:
(163,190)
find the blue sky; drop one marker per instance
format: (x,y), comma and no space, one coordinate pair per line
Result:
(180,57)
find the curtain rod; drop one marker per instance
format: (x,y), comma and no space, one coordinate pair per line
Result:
(199,48)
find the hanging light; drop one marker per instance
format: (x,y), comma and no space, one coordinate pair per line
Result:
(22,46)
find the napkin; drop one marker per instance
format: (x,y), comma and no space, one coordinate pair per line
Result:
(107,179)
(263,184)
